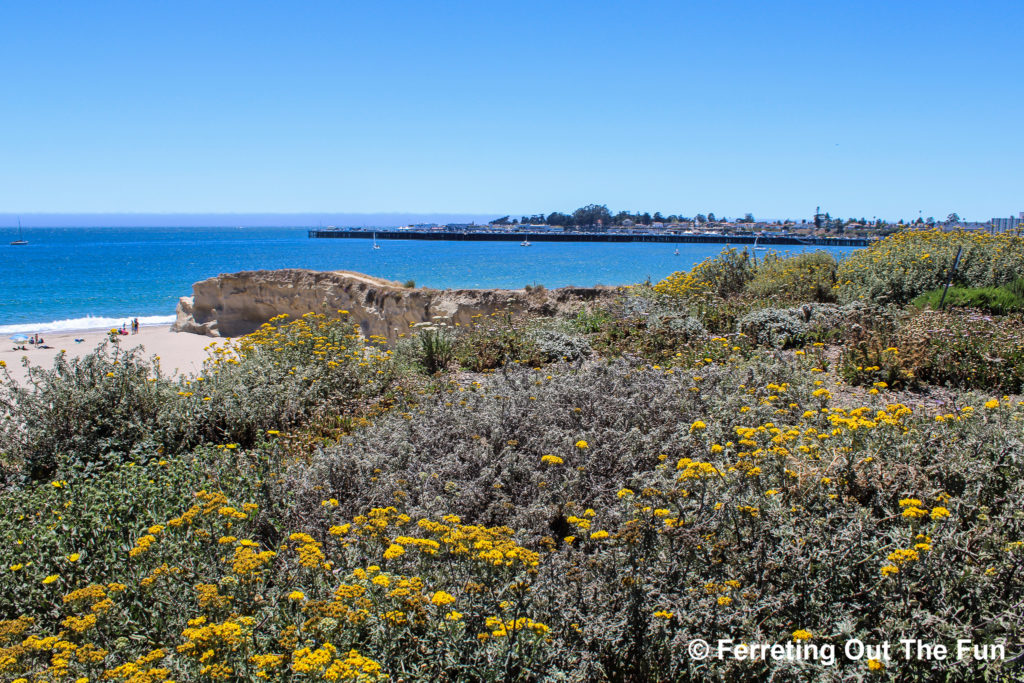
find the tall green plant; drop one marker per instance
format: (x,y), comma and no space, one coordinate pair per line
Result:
(437,350)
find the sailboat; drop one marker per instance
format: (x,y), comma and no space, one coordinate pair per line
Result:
(526,242)
(375,245)
(21,237)
(757,248)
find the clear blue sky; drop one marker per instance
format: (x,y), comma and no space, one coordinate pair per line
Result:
(868,108)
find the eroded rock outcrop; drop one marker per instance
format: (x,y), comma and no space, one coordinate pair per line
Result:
(238,303)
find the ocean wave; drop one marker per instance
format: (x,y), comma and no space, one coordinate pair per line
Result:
(87,323)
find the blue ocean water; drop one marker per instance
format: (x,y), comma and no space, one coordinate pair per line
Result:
(83,278)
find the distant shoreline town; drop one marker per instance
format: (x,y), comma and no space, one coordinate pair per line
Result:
(533,233)
(596,219)
(595,223)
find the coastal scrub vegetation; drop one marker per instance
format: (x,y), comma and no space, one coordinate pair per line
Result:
(905,265)
(755,449)
(115,406)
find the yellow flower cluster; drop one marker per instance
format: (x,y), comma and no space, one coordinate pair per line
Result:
(693,469)
(682,285)
(322,662)
(211,643)
(162,570)
(491,545)
(308,550)
(500,628)
(913,508)
(141,670)
(142,545)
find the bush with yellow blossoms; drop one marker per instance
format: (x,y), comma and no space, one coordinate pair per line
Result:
(115,405)
(902,266)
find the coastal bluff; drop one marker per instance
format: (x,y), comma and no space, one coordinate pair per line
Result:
(235,304)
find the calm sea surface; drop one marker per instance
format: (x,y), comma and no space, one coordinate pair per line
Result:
(81,278)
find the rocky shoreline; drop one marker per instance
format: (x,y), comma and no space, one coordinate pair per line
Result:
(235,304)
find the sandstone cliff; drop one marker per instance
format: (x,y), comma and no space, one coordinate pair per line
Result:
(235,304)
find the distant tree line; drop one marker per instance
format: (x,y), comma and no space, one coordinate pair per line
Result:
(598,217)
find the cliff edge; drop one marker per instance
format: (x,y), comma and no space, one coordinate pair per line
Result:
(235,304)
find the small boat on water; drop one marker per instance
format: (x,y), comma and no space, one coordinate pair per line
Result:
(375,245)
(526,242)
(757,248)
(21,237)
(675,253)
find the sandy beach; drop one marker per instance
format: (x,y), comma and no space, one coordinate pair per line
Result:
(179,352)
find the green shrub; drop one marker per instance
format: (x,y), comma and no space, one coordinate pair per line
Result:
(97,410)
(494,340)
(665,339)
(436,349)
(728,273)
(281,376)
(720,316)
(591,319)
(799,278)
(1016,288)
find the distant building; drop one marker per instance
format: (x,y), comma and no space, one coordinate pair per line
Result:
(967,226)
(1005,224)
